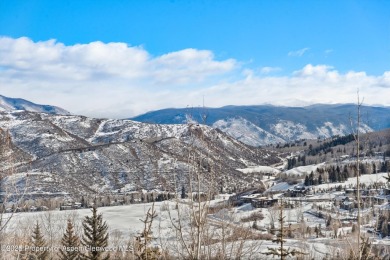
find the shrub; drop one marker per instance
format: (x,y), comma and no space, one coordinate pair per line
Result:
(255,216)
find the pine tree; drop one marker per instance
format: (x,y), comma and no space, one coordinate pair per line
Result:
(70,244)
(320,179)
(83,202)
(311,178)
(183,192)
(38,241)
(281,251)
(328,221)
(95,236)
(307,180)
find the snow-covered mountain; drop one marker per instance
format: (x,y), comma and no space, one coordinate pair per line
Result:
(75,154)
(261,125)
(9,104)
(246,132)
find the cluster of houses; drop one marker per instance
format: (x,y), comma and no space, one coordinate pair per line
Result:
(369,198)
(344,199)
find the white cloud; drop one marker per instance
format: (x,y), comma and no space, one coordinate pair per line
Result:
(298,53)
(268,70)
(309,71)
(117,80)
(105,60)
(311,84)
(189,65)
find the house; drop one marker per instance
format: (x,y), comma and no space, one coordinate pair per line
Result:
(351,192)
(298,191)
(249,198)
(263,202)
(386,191)
(77,205)
(66,207)
(347,204)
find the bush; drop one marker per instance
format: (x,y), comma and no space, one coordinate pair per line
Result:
(255,216)
(262,236)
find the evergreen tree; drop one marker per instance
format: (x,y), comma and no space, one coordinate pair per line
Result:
(329,221)
(311,178)
(289,164)
(183,192)
(338,172)
(95,236)
(383,167)
(281,251)
(294,162)
(320,179)
(332,176)
(38,241)
(307,181)
(83,202)
(69,244)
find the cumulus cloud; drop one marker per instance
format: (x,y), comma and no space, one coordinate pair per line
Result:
(86,61)
(298,53)
(309,85)
(189,65)
(117,80)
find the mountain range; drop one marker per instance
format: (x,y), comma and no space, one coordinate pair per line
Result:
(267,124)
(10,104)
(253,125)
(47,151)
(67,154)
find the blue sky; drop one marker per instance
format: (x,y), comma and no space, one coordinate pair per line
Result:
(233,52)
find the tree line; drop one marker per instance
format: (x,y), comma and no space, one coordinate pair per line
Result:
(340,173)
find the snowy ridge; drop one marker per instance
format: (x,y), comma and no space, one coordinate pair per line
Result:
(291,131)
(266,124)
(246,132)
(9,104)
(83,155)
(283,131)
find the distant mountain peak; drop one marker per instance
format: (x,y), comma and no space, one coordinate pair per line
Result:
(9,104)
(265,124)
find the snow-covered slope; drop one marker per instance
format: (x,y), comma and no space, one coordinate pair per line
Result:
(281,131)
(9,104)
(76,154)
(246,132)
(265,124)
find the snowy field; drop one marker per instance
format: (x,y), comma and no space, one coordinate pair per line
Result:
(367,179)
(127,220)
(259,169)
(303,170)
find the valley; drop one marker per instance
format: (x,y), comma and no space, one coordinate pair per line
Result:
(199,181)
